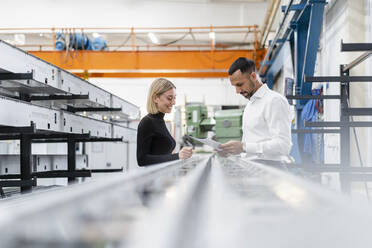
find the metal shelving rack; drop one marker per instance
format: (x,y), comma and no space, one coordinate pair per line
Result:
(347,172)
(40,104)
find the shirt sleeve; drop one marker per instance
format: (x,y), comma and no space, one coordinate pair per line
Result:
(145,135)
(278,119)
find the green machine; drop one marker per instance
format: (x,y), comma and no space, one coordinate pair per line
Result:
(197,121)
(228,125)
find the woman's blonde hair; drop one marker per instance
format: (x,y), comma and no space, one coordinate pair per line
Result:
(158,87)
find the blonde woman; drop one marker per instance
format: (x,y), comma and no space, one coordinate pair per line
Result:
(154,142)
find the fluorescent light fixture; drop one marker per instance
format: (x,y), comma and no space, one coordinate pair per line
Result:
(212,35)
(153,38)
(96,35)
(19,39)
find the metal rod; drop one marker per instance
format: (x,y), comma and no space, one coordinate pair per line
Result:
(19,183)
(92,109)
(357,61)
(358,111)
(26,161)
(334,168)
(314,97)
(338,79)
(15,76)
(316,130)
(355,47)
(26,129)
(60,173)
(107,170)
(339,124)
(71,159)
(65,140)
(58,97)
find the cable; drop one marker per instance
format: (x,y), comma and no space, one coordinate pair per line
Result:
(174,41)
(163,44)
(122,44)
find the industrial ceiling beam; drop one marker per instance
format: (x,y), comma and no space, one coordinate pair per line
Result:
(213,63)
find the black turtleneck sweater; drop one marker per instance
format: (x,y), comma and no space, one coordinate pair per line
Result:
(154,142)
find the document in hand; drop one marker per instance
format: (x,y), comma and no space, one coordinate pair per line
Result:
(208,142)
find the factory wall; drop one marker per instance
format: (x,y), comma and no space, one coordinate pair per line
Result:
(211,91)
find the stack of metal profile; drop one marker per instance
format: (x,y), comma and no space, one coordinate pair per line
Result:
(200,202)
(42,103)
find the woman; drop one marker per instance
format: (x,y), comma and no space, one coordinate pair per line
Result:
(154,142)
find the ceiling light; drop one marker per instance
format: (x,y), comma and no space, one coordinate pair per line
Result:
(19,39)
(153,38)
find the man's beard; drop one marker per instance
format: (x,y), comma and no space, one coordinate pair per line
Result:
(246,94)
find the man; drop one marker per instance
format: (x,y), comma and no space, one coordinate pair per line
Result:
(266,117)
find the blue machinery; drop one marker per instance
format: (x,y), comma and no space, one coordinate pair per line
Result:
(302,32)
(79,41)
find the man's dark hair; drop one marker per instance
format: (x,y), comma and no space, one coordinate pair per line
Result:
(242,64)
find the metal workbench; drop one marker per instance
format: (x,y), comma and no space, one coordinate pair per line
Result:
(201,202)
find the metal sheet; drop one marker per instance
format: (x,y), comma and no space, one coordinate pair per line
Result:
(193,203)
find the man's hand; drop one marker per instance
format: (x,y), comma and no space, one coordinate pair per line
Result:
(233,147)
(223,154)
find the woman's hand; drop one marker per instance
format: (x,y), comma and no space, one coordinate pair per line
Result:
(185,153)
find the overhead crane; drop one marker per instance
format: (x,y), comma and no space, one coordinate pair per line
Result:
(173,59)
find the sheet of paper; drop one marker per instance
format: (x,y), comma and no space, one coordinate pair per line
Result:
(208,142)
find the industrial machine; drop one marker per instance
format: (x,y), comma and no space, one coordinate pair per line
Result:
(78,41)
(228,125)
(197,121)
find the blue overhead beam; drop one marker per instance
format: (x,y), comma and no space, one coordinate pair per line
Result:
(282,29)
(294,7)
(275,66)
(305,28)
(312,44)
(270,50)
(300,28)
(303,33)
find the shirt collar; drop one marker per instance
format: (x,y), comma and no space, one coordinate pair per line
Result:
(260,92)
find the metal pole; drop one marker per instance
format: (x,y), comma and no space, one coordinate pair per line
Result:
(71,158)
(357,61)
(26,161)
(345,132)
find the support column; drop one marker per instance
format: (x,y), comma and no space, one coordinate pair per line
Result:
(71,159)
(26,161)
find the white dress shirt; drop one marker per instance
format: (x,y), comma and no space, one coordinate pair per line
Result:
(267,126)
